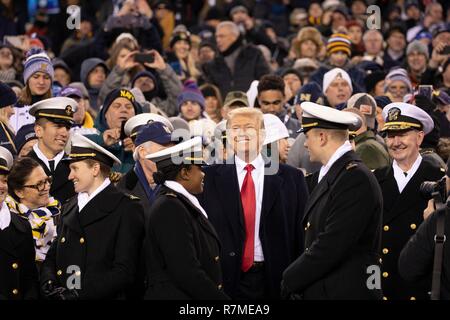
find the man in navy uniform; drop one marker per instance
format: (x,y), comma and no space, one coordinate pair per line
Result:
(342,217)
(54,118)
(256,212)
(405,128)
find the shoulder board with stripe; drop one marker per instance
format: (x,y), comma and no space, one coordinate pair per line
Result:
(171,194)
(351,166)
(132,197)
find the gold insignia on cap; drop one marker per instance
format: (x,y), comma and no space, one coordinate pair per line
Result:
(69,110)
(44,66)
(305,97)
(393,114)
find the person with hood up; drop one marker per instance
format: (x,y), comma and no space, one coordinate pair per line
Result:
(93,74)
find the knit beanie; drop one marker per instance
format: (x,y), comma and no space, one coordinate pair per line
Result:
(418,46)
(339,42)
(398,74)
(191,93)
(120,93)
(7,95)
(37,60)
(147,74)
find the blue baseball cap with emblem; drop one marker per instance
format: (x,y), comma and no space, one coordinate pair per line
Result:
(155,132)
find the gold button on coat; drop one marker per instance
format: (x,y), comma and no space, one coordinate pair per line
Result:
(413,226)
(216,258)
(385,274)
(412,298)
(219,286)
(15,292)
(15,266)
(63,240)
(386,228)
(59,272)
(81,240)
(385,251)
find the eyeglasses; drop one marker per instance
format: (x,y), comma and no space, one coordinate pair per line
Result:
(40,186)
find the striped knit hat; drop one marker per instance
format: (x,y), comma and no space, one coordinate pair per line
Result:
(37,60)
(398,74)
(339,42)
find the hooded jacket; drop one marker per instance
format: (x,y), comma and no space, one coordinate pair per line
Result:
(126,157)
(87,66)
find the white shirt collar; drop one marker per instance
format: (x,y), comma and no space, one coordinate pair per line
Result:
(5,216)
(346,147)
(258,163)
(399,174)
(41,156)
(175,186)
(84,197)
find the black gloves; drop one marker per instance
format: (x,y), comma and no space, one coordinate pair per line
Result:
(52,292)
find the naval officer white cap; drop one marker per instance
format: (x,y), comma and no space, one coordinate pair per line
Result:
(317,116)
(404,116)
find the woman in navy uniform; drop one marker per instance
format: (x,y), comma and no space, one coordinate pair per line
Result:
(18,274)
(100,235)
(182,246)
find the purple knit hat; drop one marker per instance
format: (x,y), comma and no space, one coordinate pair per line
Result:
(37,60)
(191,93)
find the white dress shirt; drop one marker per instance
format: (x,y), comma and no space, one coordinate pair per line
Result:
(346,147)
(5,216)
(175,186)
(399,174)
(258,180)
(84,197)
(41,156)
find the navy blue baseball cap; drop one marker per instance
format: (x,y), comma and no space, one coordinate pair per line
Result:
(310,92)
(155,132)
(25,134)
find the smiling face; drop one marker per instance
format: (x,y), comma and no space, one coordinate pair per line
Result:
(417,61)
(245,136)
(32,197)
(404,145)
(193,179)
(181,48)
(120,110)
(82,175)
(52,136)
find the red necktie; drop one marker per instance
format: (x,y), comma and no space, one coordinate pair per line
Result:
(248,199)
